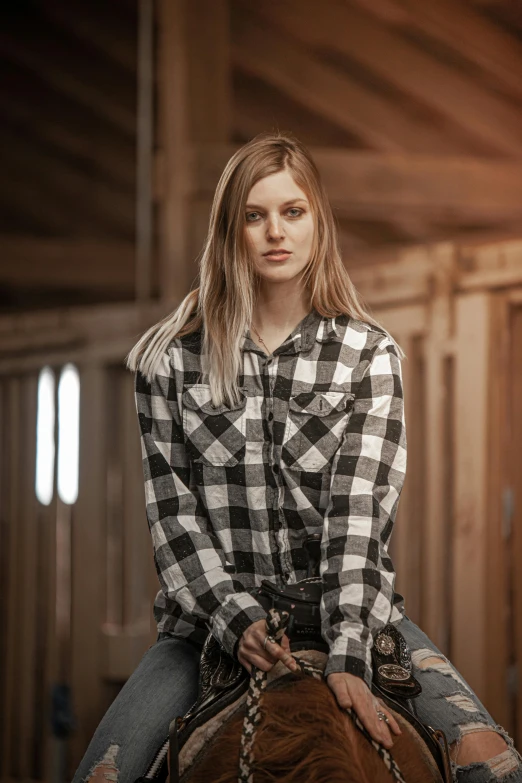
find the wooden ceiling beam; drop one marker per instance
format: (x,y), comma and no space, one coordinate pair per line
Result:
(259,48)
(207,31)
(443,89)
(61,263)
(259,107)
(92,27)
(462,27)
(41,214)
(67,83)
(452,190)
(89,202)
(88,148)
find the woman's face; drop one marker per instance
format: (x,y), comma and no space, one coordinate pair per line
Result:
(278,216)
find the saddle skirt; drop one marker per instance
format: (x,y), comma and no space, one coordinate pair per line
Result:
(223,691)
(200,739)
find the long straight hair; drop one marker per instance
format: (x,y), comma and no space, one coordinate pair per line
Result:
(223,304)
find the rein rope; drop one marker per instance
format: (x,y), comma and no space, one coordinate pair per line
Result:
(276,623)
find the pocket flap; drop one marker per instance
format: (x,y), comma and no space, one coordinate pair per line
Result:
(197,398)
(321,403)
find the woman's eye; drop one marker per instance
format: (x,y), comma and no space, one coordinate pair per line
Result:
(253,216)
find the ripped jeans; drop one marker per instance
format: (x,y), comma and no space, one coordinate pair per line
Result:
(447,702)
(165,684)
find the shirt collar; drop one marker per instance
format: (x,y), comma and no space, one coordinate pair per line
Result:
(313,327)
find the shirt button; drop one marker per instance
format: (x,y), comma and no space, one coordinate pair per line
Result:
(270,416)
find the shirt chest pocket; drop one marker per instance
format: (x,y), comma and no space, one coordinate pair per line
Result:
(213,436)
(314,428)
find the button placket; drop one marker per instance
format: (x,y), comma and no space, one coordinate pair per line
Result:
(269,402)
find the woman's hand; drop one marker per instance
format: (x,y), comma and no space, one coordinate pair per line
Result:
(252,649)
(352,691)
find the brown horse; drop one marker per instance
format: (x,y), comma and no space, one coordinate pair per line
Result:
(303,737)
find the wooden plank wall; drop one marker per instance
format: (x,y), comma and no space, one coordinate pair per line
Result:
(77,581)
(456,544)
(457,312)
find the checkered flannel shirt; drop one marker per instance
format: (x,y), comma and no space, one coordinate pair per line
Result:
(316,445)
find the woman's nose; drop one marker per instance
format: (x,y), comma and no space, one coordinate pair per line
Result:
(274,228)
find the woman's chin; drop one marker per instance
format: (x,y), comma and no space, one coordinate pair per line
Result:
(279,274)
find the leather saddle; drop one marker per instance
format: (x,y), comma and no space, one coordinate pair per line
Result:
(223,679)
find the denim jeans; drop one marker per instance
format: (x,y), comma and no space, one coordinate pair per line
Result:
(163,686)
(447,702)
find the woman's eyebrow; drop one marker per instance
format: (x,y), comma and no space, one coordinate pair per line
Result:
(286,203)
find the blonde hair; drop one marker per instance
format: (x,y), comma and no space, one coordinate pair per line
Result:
(224,301)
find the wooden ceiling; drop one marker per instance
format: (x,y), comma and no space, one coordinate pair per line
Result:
(412,110)
(68,137)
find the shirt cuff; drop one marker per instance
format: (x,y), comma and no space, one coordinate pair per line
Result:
(347,656)
(233,617)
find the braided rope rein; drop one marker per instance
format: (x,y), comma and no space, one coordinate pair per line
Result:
(276,623)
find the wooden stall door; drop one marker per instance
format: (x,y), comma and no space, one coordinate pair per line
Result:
(407,324)
(77,580)
(513,522)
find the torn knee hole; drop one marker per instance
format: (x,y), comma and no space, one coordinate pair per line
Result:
(428,660)
(106,769)
(479,743)
(463,702)
(425,657)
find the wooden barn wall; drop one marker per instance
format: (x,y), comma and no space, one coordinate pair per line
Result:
(77,580)
(457,313)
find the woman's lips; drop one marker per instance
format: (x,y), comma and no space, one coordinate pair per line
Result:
(277,256)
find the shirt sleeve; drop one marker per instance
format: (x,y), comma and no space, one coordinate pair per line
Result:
(188,557)
(366,481)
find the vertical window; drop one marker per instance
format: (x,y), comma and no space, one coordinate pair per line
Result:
(45,450)
(68,433)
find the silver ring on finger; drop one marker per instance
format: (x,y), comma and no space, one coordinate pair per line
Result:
(268,638)
(383,716)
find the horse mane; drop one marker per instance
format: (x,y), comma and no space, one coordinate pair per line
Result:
(303,737)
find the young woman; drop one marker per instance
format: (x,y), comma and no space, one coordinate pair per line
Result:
(270,407)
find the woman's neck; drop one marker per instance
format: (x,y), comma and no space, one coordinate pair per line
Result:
(276,318)
(280,313)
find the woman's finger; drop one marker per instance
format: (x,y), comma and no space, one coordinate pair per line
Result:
(280,654)
(392,722)
(271,652)
(370,720)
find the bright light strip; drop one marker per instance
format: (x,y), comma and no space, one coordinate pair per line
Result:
(68,433)
(45,450)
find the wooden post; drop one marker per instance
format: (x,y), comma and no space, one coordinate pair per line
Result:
(174,186)
(195,101)
(470,561)
(434,614)
(512,523)
(144,163)
(498,600)
(88,560)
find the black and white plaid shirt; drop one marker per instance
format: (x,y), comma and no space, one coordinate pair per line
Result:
(316,446)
